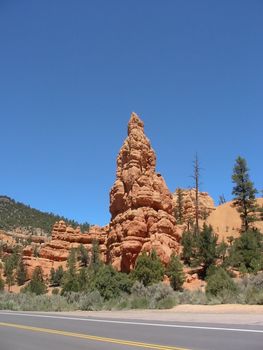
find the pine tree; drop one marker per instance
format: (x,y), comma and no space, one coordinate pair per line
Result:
(21,272)
(37,284)
(9,272)
(179,206)
(245,193)
(70,282)
(56,276)
(52,276)
(84,256)
(175,273)
(246,252)
(95,262)
(187,243)
(148,269)
(206,254)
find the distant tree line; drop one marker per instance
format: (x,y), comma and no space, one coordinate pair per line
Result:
(14,214)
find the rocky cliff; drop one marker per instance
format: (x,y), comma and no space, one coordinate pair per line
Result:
(64,238)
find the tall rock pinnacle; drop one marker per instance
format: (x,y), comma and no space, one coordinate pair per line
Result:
(140,204)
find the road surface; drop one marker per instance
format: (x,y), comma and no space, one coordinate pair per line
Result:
(51,331)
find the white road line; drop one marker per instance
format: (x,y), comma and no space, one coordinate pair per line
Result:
(133,323)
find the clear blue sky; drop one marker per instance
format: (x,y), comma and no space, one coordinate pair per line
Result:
(72,71)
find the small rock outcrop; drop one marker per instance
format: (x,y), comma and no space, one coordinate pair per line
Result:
(141,205)
(64,238)
(187,205)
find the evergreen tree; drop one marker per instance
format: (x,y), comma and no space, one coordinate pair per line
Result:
(85,279)
(95,261)
(148,269)
(37,284)
(244,193)
(179,206)
(70,282)
(2,284)
(221,251)
(246,252)
(219,282)
(9,272)
(175,273)
(21,272)
(187,243)
(84,256)
(56,276)
(111,283)
(206,248)
(52,276)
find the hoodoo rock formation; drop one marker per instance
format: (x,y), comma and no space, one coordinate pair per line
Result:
(142,214)
(141,205)
(206,205)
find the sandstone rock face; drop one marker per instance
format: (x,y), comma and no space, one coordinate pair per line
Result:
(141,205)
(226,222)
(63,239)
(206,205)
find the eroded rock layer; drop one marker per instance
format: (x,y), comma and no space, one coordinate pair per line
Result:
(141,205)
(64,238)
(187,205)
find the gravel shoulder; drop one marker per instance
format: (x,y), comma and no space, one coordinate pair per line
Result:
(216,314)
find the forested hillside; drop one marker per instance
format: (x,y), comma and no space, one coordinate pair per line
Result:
(15,215)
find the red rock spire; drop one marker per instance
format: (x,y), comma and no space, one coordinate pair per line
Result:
(140,202)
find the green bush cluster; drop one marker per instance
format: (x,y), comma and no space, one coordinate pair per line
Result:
(37,283)
(219,283)
(246,252)
(2,284)
(155,296)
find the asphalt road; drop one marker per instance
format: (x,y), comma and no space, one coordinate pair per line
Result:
(40,331)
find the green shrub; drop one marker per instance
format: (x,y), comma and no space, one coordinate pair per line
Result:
(148,269)
(84,256)
(70,282)
(37,284)
(56,276)
(55,291)
(246,252)
(91,302)
(111,283)
(188,246)
(206,253)
(254,296)
(196,297)
(156,296)
(160,296)
(219,282)
(32,302)
(2,284)
(21,273)
(139,303)
(175,273)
